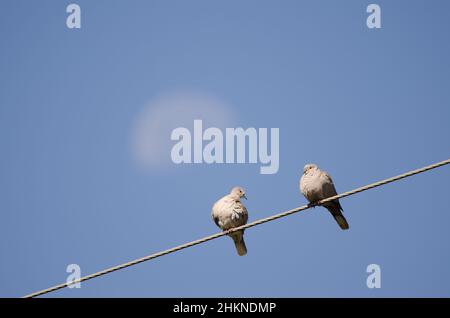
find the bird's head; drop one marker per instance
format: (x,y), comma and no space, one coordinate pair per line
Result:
(308,167)
(238,192)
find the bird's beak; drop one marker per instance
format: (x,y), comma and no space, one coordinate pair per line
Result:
(244,197)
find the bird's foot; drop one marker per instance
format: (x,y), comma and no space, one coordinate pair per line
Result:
(312,204)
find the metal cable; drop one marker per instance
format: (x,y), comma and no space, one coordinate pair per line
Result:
(246,226)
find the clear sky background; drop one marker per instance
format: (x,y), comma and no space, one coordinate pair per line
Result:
(79,107)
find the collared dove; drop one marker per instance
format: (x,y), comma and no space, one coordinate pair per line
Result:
(228,213)
(317,185)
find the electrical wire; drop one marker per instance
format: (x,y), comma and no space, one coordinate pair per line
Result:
(246,226)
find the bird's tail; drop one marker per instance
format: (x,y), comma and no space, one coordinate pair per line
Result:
(335,210)
(238,239)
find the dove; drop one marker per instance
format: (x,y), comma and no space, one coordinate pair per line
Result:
(229,212)
(317,185)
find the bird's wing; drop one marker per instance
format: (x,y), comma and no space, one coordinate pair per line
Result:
(328,186)
(241,210)
(329,190)
(216,220)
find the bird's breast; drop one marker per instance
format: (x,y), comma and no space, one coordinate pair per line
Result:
(311,188)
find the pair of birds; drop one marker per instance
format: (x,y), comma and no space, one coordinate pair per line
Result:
(315,185)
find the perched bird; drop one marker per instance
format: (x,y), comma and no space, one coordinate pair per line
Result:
(317,185)
(228,213)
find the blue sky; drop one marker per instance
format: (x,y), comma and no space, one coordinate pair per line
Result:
(362,104)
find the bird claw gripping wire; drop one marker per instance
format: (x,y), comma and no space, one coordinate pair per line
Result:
(312,204)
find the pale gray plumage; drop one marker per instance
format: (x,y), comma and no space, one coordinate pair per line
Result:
(229,212)
(317,185)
